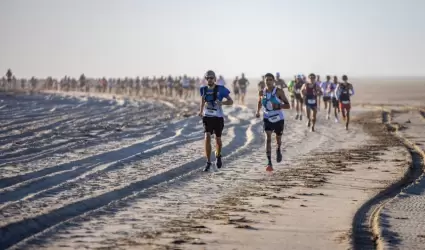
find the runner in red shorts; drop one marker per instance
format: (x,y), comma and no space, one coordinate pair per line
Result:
(344,91)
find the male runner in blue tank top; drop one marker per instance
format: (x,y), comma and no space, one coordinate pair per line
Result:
(212,115)
(272,99)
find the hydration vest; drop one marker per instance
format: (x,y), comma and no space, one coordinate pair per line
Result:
(211,109)
(345,94)
(214,94)
(272,100)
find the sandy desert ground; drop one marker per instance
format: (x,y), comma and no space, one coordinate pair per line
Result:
(104,172)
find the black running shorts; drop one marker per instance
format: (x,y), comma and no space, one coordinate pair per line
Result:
(213,125)
(298,97)
(326,98)
(335,102)
(276,127)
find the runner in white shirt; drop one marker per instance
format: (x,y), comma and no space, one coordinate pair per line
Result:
(326,95)
(331,89)
(186,86)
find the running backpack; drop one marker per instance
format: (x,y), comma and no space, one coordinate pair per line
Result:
(215,91)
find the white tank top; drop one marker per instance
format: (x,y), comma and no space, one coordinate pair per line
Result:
(267,101)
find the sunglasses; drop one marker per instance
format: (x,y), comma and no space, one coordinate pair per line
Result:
(209,78)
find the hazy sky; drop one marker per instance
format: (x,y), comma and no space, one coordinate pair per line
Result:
(161,37)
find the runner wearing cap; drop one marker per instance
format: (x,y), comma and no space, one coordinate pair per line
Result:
(212,115)
(280,82)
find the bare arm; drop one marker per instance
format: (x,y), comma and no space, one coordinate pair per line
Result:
(201,106)
(302,90)
(352,89)
(337,92)
(259,104)
(229,101)
(282,97)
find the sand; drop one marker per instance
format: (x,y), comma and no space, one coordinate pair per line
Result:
(99,171)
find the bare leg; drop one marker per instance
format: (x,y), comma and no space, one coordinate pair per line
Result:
(318,104)
(308,111)
(269,147)
(218,145)
(329,109)
(292,102)
(348,119)
(314,119)
(208,146)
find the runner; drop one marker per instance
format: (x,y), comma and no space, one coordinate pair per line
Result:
(319,83)
(236,88)
(280,82)
(310,91)
(82,82)
(335,103)
(272,99)
(343,92)
(299,83)
(243,84)
(261,84)
(291,90)
(9,75)
(325,87)
(34,82)
(212,115)
(23,83)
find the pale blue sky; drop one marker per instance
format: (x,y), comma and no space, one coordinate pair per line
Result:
(161,37)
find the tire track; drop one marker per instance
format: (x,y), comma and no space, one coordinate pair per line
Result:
(422,114)
(80,142)
(64,180)
(93,115)
(366,226)
(30,226)
(391,229)
(75,123)
(40,185)
(87,162)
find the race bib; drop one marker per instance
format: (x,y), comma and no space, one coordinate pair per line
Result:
(211,112)
(297,91)
(345,102)
(275,118)
(311,101)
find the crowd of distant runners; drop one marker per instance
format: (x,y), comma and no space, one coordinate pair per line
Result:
(180,86)
(306,96)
